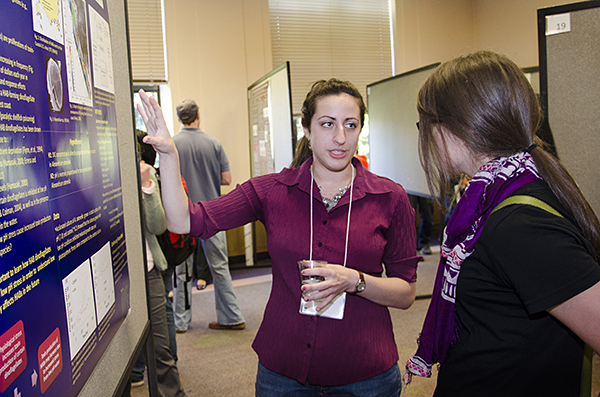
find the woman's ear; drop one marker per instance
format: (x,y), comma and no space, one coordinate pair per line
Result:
(306,132)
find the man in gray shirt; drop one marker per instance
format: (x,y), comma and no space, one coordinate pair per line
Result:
(205,167)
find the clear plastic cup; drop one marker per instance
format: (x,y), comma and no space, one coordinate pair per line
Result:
(309,264)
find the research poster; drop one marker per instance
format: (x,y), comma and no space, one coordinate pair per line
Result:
(64,281)
(262,150)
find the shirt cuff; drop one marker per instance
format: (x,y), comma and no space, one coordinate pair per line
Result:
(405,269)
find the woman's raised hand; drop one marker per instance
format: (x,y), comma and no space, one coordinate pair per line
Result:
(174,198)
(158,133)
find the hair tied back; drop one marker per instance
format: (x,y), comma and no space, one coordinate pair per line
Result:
(531,147)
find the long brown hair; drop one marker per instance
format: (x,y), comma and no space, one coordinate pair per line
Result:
(302,152)
(485,100)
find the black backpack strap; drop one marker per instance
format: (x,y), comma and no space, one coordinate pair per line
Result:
(185,288)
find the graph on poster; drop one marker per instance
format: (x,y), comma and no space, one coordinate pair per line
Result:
(81,317)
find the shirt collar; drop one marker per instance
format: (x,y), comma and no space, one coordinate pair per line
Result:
(192,129)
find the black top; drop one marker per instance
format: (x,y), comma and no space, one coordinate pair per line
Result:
(525,262)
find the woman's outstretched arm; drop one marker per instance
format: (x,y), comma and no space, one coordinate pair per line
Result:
(175,200)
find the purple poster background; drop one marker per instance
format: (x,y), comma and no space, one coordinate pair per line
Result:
(64,282)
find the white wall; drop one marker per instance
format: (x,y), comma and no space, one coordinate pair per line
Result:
(215,50)
(428,31)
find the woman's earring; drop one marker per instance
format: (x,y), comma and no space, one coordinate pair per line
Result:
(310,147)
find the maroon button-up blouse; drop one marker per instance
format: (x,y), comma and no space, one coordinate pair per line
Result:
(322,351)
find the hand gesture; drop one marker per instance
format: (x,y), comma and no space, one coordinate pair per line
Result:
(145,174)
(158,133)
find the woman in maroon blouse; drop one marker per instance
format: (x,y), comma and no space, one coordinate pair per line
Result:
(332,209)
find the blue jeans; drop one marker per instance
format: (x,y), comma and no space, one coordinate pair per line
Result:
(271,384)
(226,306)
(184,273)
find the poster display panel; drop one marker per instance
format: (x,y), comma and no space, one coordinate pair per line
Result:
(568,41)
(64,281)
(393,135)
(272,137)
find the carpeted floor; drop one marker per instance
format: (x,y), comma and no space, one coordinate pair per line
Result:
(222,363)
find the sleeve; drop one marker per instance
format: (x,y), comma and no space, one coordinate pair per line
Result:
(223,159)
(154,212)
(400,257)
(543,257)
(242,205)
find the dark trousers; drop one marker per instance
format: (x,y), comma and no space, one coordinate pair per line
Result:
(166,369)
(424,206)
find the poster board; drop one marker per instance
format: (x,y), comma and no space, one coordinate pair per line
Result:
(569,45)
(66,161)
(393,135)
(272,140)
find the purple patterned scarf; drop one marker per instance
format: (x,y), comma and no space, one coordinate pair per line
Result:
(494,182)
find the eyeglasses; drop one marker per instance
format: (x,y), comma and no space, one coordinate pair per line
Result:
(437,122)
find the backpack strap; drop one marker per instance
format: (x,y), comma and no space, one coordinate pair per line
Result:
(527,200)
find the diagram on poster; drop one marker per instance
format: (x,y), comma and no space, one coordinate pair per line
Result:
(77,52)
(79,301)
(104,286)
(102,53)
(48,19)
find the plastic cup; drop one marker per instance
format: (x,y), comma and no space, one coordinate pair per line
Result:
(309,264)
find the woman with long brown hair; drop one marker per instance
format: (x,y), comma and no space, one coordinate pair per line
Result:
(517,290)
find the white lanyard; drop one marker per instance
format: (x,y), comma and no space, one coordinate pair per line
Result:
(349,211)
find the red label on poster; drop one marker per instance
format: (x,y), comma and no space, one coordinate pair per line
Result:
(13,357)
(50,359)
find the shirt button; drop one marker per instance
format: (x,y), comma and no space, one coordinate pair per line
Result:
(320,244)
(324,222)
(308,345)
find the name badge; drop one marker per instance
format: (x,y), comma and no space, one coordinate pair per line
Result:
(335,308)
